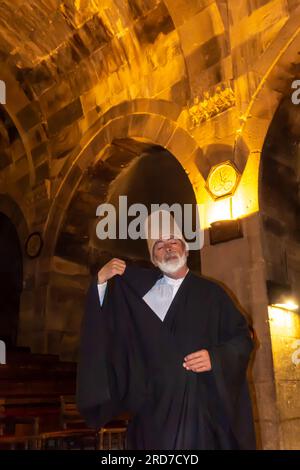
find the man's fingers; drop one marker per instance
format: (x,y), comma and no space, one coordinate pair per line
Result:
(118,270)
(195,355)
(202,364)
(196,362)
(197,359)
(201,369)
(110,269)
(117,264)
(118,261)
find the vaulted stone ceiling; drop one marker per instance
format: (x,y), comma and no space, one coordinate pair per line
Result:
(66,63)
(78,44)
(69,62)
(47,40)
(123,50)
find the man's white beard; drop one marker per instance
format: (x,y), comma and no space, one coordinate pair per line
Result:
(172,265)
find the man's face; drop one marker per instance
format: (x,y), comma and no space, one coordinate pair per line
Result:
(168,251)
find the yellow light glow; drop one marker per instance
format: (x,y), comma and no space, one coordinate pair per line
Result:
(282,321)
(288,305)
(219,210)
(238,207)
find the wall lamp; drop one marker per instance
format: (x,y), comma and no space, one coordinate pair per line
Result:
(225,230)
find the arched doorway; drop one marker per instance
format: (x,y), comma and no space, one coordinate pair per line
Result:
(128,167)
(145,174)
(11,281)
(152,177)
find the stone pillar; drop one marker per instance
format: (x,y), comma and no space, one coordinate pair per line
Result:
(239,264)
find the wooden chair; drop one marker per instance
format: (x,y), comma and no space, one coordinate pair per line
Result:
(69,414)
(19,442)
(111,436)
(19,432)
(20,425)
(69,439)
(73,433)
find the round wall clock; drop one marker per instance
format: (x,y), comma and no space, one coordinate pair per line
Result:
(33,245)
(222,180)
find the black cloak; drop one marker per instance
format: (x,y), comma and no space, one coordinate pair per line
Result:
(131,361)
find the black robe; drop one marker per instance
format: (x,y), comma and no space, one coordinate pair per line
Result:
(132,361)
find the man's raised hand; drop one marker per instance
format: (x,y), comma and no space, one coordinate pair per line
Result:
(110,269)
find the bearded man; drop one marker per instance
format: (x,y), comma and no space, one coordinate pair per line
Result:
(169,347)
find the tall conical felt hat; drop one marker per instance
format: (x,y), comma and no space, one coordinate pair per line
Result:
(161,225)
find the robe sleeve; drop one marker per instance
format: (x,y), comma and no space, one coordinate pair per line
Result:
(229,359)
(93,391)
(110,371)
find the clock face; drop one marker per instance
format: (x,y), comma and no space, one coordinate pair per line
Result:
(34,245)
(222,180)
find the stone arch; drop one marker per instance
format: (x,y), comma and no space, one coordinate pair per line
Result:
(78,251)
(129,167)
(146,129)
(156,129)
(275,71)
(197,43)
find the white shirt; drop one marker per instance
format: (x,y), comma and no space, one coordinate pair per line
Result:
(159,297)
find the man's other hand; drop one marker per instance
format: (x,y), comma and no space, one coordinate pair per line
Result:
(110,269)
(198,361)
